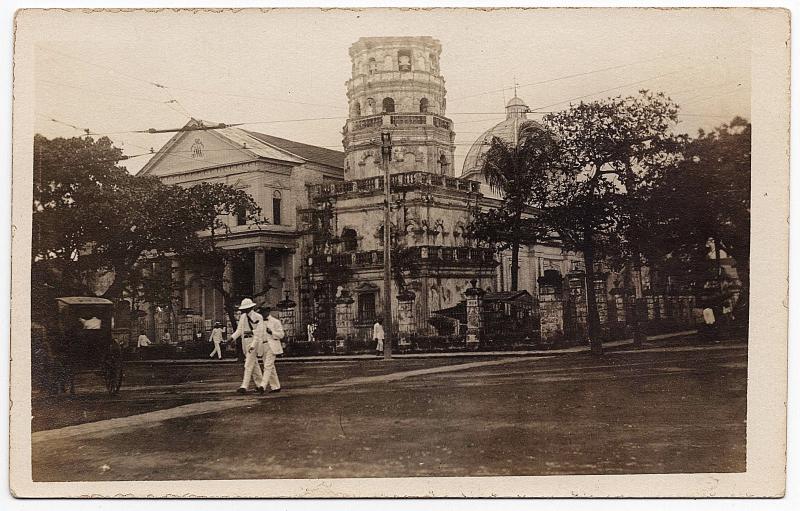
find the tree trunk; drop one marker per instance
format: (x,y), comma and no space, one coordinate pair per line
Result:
(230,310)
(114,291)
(515,251)
(635,268)
(718,262)
(593,318)
(515,266)
(630,291)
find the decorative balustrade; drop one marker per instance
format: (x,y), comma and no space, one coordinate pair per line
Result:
(381,77)
(405,180)
(441,122)
(367,122)
(422,254)
(398,120)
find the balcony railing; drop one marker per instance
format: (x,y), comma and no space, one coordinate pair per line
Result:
(402,181)
(398,120)
(387,77)
(424,254)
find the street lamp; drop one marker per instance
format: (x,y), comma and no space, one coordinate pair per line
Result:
(386,157)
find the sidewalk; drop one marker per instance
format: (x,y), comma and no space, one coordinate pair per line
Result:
(458,354)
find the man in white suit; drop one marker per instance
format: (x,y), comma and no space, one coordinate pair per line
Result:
(251,330)
(273,333)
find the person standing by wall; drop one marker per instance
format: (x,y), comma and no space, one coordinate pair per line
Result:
(273,330)
(249,330)
(709,324)
(378,336)
(216,338)
(143,341)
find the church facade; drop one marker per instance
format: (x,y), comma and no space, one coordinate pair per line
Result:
(276,173)
(322,243)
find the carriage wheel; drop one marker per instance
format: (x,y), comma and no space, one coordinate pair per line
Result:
(112,374)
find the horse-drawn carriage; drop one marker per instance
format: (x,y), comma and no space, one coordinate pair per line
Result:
(78,339)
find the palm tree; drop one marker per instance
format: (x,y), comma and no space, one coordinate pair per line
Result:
(521,173)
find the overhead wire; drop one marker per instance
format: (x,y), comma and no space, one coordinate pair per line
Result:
(573,75)
(185,89)
(173,100)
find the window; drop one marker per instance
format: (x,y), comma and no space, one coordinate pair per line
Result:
(276,207)
(350,240)
(357,109)
(388,105)
(404,60)
(423,105)
(241,216)
(372,66)
(366,307)
(443,164)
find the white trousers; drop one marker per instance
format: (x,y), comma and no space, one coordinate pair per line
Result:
(270,376)
(216,350)
(251,369)
(379,346)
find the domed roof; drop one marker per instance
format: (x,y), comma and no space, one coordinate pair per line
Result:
(515,101)
(516,120)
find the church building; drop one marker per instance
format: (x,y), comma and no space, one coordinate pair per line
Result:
(323,244)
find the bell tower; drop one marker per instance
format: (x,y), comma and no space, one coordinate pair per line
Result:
(396,85)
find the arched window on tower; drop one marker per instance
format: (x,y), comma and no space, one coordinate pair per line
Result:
(423,105)
(276,207)
(350,240)
(434,63)
(372,66)
(443,165)
(404,60)
(357,109)
(388,105)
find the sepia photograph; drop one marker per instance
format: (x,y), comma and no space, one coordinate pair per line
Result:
(384,252)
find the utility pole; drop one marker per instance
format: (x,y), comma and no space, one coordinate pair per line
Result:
(386,157)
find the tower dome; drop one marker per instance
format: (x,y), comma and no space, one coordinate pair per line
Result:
(508,130)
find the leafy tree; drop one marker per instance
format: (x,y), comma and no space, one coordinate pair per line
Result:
(94,223)
(705,198)
(522,174)
(210,205)
(610,150)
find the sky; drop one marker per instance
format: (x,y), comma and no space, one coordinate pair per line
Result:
(283,71)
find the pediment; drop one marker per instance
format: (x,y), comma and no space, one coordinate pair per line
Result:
(190,151)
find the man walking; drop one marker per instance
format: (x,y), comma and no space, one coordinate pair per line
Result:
(216,338)
(273,333)
(250,330)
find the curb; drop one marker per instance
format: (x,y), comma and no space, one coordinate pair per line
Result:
(412,356)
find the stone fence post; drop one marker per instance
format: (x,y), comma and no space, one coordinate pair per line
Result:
(286,308)
(344,320)
(474,296)
(405,318)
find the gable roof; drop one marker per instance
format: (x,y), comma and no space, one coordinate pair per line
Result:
(249,147)
(259,145)
(312,153)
